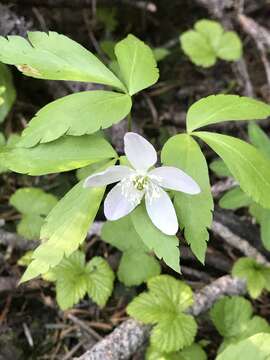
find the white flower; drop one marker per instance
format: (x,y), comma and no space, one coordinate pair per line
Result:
(140,180)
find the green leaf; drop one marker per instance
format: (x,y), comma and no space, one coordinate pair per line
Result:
(230,47)
(197,48)
(231,315)
(71,280)
(256,275)
(137,267)
(164,304)
(29,226)
(55,57)
(194,212)
(259,138)
(235,199)
(107,46)
(219,167)
(160,53)
(208,41)
(26,259)
(88,170)
(256,347)
(192,352)
(33,201)
(65,228)
(137,64)
(8,93)
(247,165)
(100,282)
(214,109)
(174,333)
(115,233)
(76,114)
(164,246)
(265,228)
(72,152)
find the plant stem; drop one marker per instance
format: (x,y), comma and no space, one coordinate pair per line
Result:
(129,118)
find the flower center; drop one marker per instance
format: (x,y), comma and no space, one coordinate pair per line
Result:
(140,182)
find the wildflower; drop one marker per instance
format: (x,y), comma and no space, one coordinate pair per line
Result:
(142,180)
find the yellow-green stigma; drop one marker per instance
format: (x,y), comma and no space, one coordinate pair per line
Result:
(140,182)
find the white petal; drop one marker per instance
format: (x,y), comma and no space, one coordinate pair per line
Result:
(116,205)
(173,178)
(109,176)
(161,212)
(140,153)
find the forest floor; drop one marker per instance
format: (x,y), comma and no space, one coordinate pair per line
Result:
(31,324)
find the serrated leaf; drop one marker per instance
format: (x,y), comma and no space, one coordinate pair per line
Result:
(194,212)
(76,114)
(174,333)
(247,165)
(33,201)
(100,282)
(29,226)
(164,246)
(255,347)
(8,93)
(166,297)
(137,64)
(214,109)
(72,152)
(65,229)
(231,315)
(115,233)
(55,57)
(219,167)
(259,138)
(71,280)
(255,274)
(136,267)
(235,199)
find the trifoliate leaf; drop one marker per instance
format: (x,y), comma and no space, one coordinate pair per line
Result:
(65,229)
(163,305)
(231,315)
(55,57)
(29,226)
(256,275)
(235,199)
(72,152)
(219,168)
(247,165)
(100,282)
(208,41)
(174,333)
(164,246)
(137,64)
(255,347)
(214,109)
(33,201)
(8,93)
(194,212)
(84,113)
(192,352)
(137,267)
(259,138)
(74,279)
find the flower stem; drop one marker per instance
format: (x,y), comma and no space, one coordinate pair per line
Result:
(129,122)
